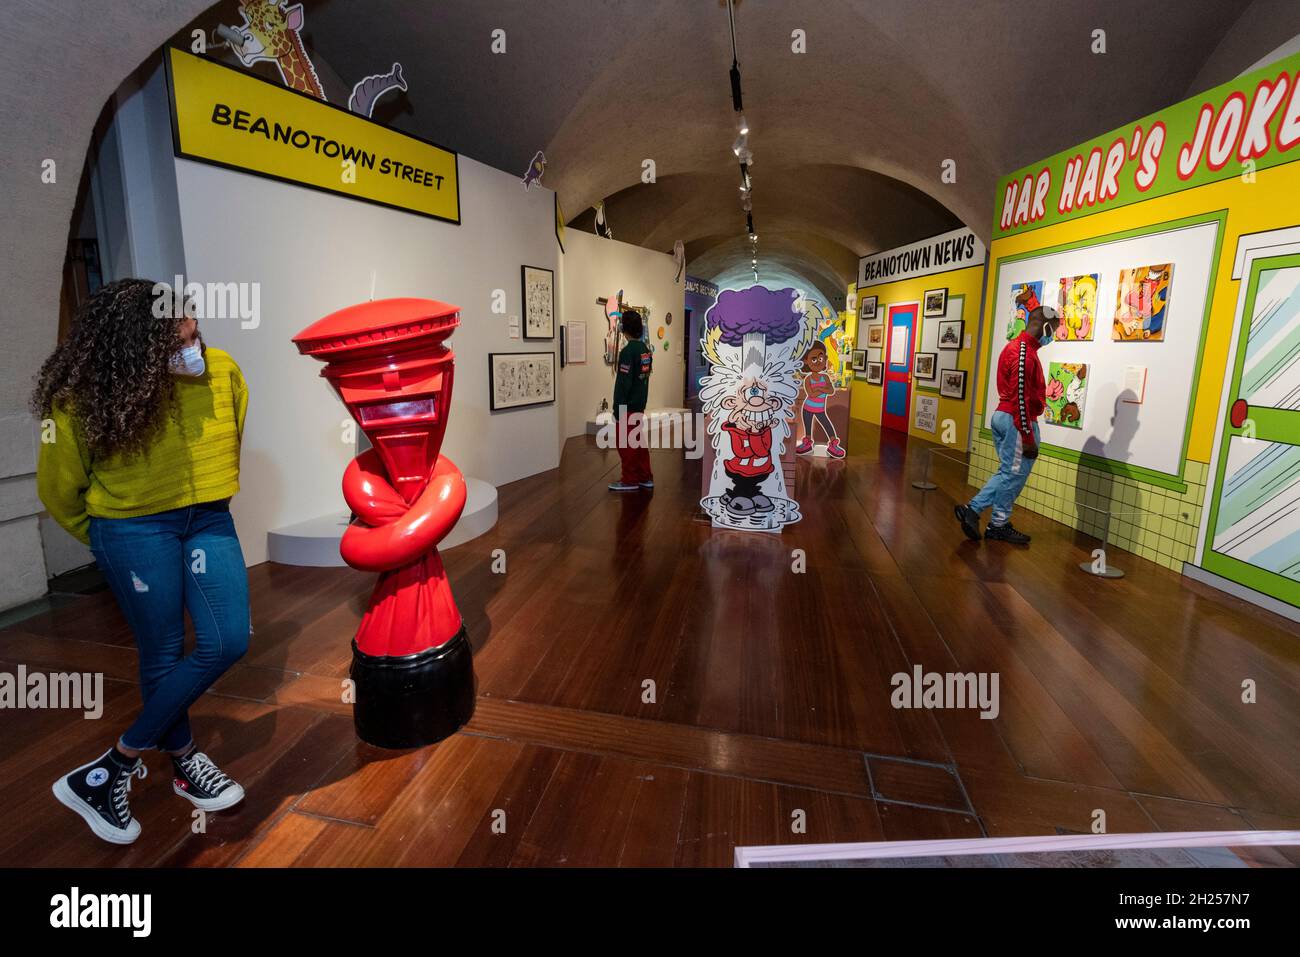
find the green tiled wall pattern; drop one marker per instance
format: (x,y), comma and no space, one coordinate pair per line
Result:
(1155,523)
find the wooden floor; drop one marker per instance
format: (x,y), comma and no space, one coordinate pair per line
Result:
(771,692)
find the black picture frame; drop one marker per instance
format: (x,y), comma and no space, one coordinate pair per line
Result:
(875,373)
(859,360)
(492,380)
(523,292)
(946,325)
(944,389)
(933,358)
(936,311)
(863,303)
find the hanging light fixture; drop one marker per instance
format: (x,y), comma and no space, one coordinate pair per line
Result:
(740,148)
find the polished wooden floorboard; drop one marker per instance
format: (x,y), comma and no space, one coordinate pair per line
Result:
(655,693)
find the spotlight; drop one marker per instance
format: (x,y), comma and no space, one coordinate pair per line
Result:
(744,125)
(741,145)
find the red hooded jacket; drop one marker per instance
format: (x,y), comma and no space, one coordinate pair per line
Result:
(1021,386)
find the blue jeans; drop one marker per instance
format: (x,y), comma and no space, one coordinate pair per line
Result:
(157,567)
(1004,486)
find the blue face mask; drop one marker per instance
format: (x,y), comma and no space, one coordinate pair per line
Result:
(1046,338)
(189,361)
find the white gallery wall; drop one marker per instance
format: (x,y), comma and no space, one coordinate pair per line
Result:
(310,253)
(595,267)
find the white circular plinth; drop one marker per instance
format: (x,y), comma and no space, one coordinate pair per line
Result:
(315,542)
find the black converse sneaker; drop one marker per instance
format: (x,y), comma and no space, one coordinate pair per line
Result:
(203,783)
(97,791)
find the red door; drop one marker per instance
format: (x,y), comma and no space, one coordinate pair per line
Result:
(898,374)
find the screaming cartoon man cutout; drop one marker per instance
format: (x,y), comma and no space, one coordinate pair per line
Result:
(755,340)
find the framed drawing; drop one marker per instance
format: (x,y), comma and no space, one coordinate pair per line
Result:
(867,307)
(859,360)
(539,302)
(925,365)
(876,336)
(952,383)
(875,373)
(950,332)
(519,379)
(936,303)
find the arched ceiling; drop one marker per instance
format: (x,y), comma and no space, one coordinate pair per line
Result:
(848,138)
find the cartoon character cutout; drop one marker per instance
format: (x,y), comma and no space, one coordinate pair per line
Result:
(1142,303)
(536,170)
(755,340)
(817,389)
(1078,303)
(271,31)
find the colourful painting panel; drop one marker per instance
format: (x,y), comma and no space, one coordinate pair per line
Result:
(1078,308)
(1025,298)
(1142,303)
(1067,390)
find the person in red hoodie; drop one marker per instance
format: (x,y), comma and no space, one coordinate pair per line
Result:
(1022,395)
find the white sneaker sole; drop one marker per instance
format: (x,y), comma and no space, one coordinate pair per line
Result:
(68,798)
(227,798)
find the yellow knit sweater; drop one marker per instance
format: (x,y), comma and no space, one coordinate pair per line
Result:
(194,457)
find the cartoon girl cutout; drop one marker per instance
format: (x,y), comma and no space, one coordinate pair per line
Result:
(818,387)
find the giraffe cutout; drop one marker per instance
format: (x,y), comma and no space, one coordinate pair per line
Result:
(271,32)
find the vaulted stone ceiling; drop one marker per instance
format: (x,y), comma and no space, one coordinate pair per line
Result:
(849,138)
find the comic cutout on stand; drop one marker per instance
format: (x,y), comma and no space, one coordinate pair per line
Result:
(825,375)
(755,340)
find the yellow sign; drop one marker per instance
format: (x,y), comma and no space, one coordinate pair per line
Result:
(225,116)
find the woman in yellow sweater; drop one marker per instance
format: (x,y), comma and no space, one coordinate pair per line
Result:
(142,426)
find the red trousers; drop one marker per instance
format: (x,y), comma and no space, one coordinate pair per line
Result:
(636,461)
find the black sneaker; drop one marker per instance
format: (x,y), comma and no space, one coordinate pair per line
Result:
(203,783)
(1006,533)
(970,521)
(97,791)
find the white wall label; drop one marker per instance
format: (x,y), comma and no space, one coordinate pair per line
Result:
(927,412)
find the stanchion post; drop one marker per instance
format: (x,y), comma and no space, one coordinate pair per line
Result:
(925,485)
(1099,567)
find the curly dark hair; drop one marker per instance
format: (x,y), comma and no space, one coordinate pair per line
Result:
(111,374)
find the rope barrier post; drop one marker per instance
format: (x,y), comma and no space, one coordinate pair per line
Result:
(1099,567)
(925,485)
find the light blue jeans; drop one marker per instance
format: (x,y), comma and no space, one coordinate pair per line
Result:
(1001,490)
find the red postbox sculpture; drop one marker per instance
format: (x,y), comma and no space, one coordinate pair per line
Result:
(411,660)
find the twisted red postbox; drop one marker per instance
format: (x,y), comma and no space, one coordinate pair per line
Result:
(411,664)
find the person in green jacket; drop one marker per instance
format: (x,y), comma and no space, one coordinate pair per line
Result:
(139,457)
(631,389)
